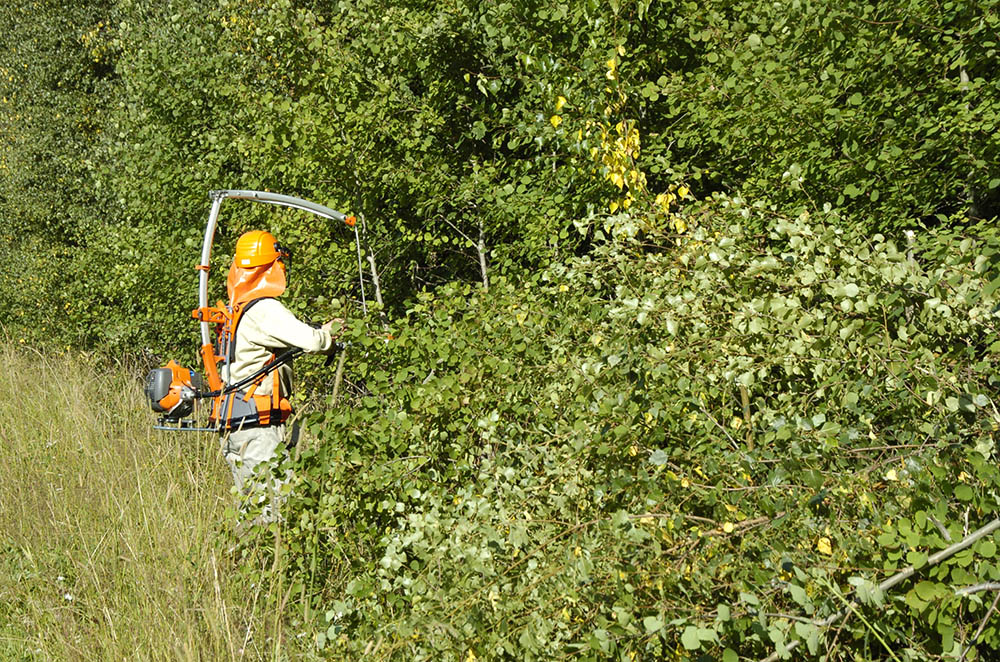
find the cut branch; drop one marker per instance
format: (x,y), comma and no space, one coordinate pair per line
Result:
(902,576)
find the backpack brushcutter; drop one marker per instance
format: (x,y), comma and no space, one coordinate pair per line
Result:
(174,390)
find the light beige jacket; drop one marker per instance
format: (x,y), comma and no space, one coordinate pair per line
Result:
(267,328)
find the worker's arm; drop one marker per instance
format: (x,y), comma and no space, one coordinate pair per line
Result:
(275,326)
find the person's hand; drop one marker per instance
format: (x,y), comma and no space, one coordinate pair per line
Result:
(329,327)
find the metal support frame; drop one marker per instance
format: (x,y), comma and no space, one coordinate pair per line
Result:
(254,196)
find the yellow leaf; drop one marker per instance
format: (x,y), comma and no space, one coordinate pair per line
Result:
(555,121)
(682,191)
(823,546)
(560,102)
(610,74)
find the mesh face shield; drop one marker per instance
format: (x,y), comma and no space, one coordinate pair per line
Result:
(284,255)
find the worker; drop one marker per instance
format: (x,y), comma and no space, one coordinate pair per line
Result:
(263,326)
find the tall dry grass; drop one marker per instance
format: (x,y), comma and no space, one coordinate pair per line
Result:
(115,540)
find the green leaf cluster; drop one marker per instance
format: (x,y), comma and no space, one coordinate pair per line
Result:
(469,137)
(888,111)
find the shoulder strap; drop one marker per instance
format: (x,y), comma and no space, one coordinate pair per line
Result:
(238,314)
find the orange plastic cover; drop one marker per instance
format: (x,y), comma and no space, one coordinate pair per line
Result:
(179,377)
(255,282)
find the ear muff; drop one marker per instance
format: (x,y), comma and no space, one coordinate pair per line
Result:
(284,255)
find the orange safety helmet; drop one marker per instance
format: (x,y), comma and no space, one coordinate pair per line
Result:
(257,248)
(258,268)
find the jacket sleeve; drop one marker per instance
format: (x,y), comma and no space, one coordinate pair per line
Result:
(276,327)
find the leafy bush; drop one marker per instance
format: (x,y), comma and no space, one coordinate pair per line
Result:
(887,112)
(467,136)
(687,451)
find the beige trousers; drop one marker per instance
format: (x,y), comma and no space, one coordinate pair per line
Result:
(252,451)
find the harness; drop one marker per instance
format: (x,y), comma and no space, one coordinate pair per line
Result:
(237,406)
(173,391)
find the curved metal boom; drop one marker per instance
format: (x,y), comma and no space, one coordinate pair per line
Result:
(213,217)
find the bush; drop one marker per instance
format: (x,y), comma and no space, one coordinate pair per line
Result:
(664,451)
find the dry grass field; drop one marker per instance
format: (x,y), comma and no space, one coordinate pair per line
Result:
(116,541)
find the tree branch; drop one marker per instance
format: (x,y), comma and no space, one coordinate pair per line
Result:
(982,626)
(969,590)
(902,576)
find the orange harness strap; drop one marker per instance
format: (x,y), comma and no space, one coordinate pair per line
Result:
(270,409)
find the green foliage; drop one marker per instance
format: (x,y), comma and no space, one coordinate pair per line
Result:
(887,111)
(54,90)
(663,452)
(633,441)
(54,83)
(467,136)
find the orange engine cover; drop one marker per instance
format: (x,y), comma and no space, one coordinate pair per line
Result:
(165,388)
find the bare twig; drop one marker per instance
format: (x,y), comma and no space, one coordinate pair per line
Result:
(339,376)
(718,531)
(736,444)
(745,401)
(982,626)
(791,617)
(940,527)
(481,249)
(902,576)
(375,279)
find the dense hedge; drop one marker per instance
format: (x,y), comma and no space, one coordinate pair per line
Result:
(652,452)
(467,135)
